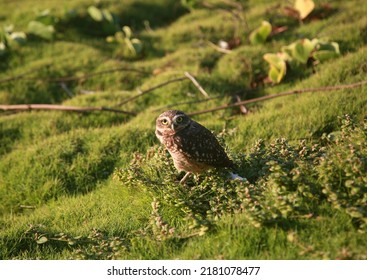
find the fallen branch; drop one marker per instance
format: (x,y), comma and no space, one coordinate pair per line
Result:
(90,75)
(141,93)
(173,105)
(70,78)
(19,76)
(28,107)
(196,83)
(297,91)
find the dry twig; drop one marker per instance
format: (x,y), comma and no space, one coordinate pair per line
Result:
(173,105)
(20,76)
(90,75)
(141,93)
(196,83)
(70,78)
(297,91)
(27,107)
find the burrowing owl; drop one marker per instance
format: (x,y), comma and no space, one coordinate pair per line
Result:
(193,148)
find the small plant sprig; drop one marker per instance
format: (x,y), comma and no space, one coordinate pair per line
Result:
(10,39)
(43,25)
(95,246)
(109,22)
(286,182)
(260,34)
(125,38)
(299,53)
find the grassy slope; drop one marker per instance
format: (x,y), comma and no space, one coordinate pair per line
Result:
(63,163)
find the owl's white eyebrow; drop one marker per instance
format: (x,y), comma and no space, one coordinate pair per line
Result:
(179,116)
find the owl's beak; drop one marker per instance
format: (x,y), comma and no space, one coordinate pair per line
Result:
(173,126)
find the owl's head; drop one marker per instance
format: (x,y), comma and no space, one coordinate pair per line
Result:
(172,121)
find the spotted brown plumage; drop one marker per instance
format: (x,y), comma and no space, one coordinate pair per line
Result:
(193,147)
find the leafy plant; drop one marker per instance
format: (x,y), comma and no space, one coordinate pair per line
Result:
(104,17)
(11,39)
(299,53)
(260,34)
(278,67)
(95,246)
(285,182)
(43,25)
(125,37)
(100,14)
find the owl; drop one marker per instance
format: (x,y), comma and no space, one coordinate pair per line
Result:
(193,147)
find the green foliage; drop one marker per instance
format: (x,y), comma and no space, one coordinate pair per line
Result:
(10,39)
(299,53)
(134,45)
(287,182)
(278,67)
(43,25)
(44,31)
(260,34)
(343,172)
(96,246)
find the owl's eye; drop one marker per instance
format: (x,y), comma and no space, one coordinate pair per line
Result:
(164,121)
(179,119)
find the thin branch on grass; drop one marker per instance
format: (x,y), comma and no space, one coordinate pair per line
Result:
(297,91)
(20,76)
(196,83)
(173,105)
(71,78)
(141,93)
(28,107)
(98,73)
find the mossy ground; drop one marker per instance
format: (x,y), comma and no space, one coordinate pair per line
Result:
(96,185)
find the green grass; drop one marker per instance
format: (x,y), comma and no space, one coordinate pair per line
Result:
(97,185)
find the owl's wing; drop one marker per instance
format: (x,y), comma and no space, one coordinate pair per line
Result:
(199,144)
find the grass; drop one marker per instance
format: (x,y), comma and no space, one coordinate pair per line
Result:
(98,186)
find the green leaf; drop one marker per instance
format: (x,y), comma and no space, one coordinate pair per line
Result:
(44,31)
(301,50)
(304,7)
(107,15)
(19,37)
(326,51)
(42,240)
(46,18)
(277,69)
(137,45)
(110,39)
(260,34)
(127,31)
(325,55)
(2,49)
(120,37)
(95,13)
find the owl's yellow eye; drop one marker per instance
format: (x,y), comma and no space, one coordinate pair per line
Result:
(179,119)
(164,121)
